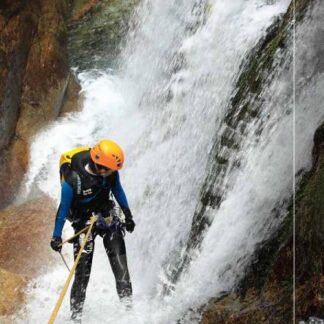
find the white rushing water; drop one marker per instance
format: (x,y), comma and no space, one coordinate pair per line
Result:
(164,106)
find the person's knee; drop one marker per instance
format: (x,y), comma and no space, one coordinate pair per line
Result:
(120,268)
(114,245)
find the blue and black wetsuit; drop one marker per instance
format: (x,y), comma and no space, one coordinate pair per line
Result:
(82,194)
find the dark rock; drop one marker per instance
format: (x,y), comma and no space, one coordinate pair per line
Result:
(72,96)
(265,294)
(15,43)
(9,8)
(267,289)
(34,79)
(91,22)
(81,8)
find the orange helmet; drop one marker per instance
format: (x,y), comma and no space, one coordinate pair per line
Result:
(108,154)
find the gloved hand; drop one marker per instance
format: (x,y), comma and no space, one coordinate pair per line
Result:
(56,244)
(130,225)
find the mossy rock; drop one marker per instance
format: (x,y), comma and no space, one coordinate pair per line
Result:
(94,37)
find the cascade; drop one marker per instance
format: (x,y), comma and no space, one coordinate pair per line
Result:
(190,160)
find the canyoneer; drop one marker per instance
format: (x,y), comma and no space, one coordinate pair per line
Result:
(88,177)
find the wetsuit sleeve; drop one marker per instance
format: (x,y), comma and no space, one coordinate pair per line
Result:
(63,210)
(119,193)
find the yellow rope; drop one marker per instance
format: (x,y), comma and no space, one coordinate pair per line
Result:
(67,282)
(75,235)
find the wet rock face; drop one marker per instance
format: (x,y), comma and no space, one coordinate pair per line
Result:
(96,29)
(13,161)
(46,70)
(25,232)
(81,8)
(36,85)
(309,236)
(12,294)
(34,79)
(10,8)
(19,25)
(270,300)
(265,294)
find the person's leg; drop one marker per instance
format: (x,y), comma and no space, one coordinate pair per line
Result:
(116,251)
(82,275)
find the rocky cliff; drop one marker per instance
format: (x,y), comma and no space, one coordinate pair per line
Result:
(267,292)
(35,82)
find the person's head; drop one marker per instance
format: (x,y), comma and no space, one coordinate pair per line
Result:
(106,157)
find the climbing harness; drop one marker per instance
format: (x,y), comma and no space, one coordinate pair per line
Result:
(112,222)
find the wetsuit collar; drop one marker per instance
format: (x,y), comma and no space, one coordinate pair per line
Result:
(88,169)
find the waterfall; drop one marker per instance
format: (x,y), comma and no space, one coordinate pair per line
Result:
(166,103)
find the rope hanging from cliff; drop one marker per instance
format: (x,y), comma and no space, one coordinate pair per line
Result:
(68,280)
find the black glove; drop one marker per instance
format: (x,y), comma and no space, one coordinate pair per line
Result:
(56,244)
(130,225)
